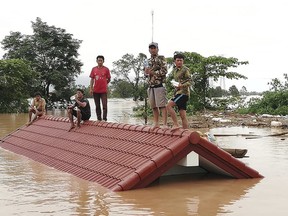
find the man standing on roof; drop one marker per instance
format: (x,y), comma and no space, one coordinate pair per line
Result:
(181,74)
(100,77)
(156,73)
(83,111)
(38,107)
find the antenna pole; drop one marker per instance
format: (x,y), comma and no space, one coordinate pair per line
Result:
(152,13)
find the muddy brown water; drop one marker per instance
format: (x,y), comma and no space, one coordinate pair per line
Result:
(31,188)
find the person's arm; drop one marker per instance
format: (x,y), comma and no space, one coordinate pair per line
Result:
(148,70)
(72,106)
(160,68)
(92,77)
(108,76)
(43,108)
(33,103)
(91,85)
(187,81)
(81,104)
(163,69)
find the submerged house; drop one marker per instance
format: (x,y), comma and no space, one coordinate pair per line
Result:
(121,156)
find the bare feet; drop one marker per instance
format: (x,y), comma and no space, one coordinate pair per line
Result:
(154,127)
(28,123)
(72,127)
(174,128)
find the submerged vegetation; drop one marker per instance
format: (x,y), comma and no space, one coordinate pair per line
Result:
(273,102)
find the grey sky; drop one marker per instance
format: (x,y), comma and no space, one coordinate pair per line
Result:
(248,30)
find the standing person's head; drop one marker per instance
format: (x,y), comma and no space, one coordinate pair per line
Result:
(100,60)
(179,60)
(153,48)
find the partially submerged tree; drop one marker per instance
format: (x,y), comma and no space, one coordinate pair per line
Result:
(130,69)
(52,52)
(272,102)
(243,91)
(234,91)
(121,88)
(217,92)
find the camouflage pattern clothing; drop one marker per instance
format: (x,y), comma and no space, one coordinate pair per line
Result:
(183,76)
(158,65)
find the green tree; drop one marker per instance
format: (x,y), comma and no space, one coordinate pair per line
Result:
(121,89)
(273,102)
(216,92)
(277,85)
(52,52)
(234,91)
(130,69)
(16,82)
(243,91)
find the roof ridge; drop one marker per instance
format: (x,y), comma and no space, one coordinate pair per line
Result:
(125,126)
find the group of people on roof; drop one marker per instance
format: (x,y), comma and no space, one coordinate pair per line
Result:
(156,72)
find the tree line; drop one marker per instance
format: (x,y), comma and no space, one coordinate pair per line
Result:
(47,61)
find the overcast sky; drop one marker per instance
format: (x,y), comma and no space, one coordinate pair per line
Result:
(253,31)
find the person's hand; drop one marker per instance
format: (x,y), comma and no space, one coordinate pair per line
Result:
(148,71)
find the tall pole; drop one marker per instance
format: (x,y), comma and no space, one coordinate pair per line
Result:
(152,13)
(145,98)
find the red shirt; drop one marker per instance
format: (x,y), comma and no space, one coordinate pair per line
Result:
(101,78)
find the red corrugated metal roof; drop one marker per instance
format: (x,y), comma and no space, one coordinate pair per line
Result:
(117,156)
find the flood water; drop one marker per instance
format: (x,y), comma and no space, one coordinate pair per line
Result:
(30,188)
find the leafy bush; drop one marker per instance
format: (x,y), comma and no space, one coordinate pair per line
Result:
(274,103)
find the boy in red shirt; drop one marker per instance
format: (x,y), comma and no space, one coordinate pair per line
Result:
(100,77)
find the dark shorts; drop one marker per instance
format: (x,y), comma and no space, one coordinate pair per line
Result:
(84,116)
(181,101)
